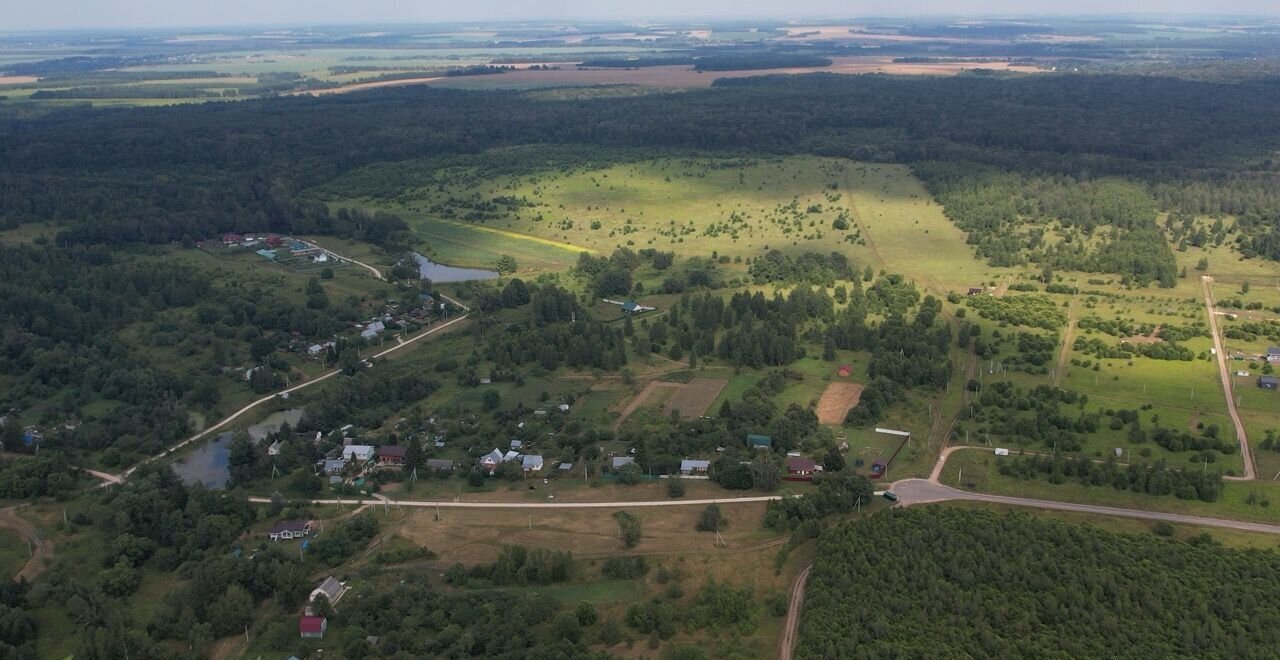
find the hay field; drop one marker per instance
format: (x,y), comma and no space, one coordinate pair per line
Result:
(473,536)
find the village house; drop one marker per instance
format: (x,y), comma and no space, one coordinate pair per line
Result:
(756,441)
(694,467)
(492,460)
(372,330)
(531,464)
(287,530)
(331,589)
(391,454)
(1273,355)
(312,627)
(440,464)
(334,465)
(619,462)
(1269,382)
(800,468)
(362,453)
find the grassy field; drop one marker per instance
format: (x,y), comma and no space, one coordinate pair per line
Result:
(474,536)
(696,207)
(13,554)
(977,470)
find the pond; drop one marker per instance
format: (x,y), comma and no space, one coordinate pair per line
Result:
(208,465)
(435,272)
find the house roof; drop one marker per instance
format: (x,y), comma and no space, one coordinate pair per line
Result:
(440,463)
(330,587)
(361,451)
(393,451)
(566,466)
(757,440)
(619,461)
(516,444)
(694,464)
(334,463)
(531,462)
(1272,380)
(289,526)
(630,306)
(311,624)
(1273,350)
(799,463)
(494,456)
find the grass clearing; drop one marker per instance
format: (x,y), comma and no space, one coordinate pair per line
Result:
(474,536)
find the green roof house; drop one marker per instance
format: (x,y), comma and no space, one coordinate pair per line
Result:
(759,441)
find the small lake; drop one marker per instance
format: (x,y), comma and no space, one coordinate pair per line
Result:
(208,465)
(435,272)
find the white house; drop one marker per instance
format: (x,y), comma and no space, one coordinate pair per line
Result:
(359,452)
(331,589)
(694,466)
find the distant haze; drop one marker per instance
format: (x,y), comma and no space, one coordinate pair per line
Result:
(69,14)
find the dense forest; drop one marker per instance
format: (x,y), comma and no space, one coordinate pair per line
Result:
(200,170)
(1037,588)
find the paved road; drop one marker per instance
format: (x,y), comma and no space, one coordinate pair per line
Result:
(1225,374)
(787,645)
(921,491)
(449,504)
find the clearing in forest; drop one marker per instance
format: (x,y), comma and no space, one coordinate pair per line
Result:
(735,208)
(836,402)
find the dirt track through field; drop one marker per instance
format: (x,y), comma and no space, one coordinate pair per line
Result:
(41,550)
(641,398)
(837,400)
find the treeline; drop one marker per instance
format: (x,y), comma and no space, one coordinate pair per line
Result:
(559,333)
(48,474)
(808,268)
(414,618)
(516,565)
(982,584)
(1150,479)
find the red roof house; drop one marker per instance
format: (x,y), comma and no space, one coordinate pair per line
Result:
(844,371)
(312,626)
(800,469)
(392,454)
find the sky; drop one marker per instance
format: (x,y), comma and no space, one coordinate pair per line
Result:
(69,14)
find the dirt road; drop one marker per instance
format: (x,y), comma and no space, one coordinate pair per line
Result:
(41,550)
(921,491)
(789,631)
(1065,351)
(1225,374)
